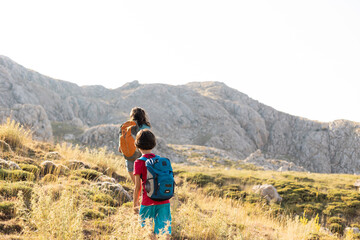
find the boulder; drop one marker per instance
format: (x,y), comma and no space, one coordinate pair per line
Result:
(10,165)
(357,184)
(75,165)
(62,169)
(47,167)
(353,230)
(116,190)
(53,156)
(268,192)
(105,178)
(257,158)
(5,147)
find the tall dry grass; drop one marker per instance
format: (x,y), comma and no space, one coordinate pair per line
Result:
(15,135)
(195,216)
(49,218)
(98,157)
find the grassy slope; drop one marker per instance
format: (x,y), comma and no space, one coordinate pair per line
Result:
(209,203)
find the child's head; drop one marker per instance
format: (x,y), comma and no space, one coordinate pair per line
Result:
(138,114)
(145,140)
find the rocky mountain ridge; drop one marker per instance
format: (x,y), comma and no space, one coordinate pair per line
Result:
(206,114)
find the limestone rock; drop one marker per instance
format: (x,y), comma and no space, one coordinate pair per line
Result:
(75,164)
(115,190)
(32,117)
(10,165)
(105,178)
(53,155)
(102,136)
(5,147)
(268,192)
(357,184)
(62,169)
(257,158)
(47,167)
(354,230)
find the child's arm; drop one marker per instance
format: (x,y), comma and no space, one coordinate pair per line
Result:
(137,190)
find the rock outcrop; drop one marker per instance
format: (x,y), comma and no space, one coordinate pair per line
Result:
(30,116)
(207,114)
(267,191)
(258,159)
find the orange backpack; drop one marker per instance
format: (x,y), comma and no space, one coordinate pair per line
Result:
(128,131)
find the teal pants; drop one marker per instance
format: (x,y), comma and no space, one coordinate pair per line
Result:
(160,214)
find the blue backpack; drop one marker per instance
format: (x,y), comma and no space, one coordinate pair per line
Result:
(160,184)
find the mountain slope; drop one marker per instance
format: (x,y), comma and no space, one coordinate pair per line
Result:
(208,114)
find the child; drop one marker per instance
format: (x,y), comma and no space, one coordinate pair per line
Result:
(158,211)
(138,115)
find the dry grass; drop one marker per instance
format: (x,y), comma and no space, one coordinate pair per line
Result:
(203,217)
(14,135)
(51,218)
(96,157)
(57,210)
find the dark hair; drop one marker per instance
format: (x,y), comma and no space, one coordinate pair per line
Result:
(145,140)
(138,114)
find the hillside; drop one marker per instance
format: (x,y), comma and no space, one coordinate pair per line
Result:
(63,192)
(206,114)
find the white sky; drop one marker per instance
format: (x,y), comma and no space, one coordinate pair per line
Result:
(301,57)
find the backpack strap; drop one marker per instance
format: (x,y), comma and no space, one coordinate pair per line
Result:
(143,159)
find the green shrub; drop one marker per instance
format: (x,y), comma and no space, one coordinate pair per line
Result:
(105,199)
(30,168)
(313,236)
(108,210)
(335,208)
(7,209)
(336,228)
(90,214)
(310,208)
(304,179)
(255,198)
(222,180)
(16,175)
(88,174)
(336,195)
(233,192)
(338,220)
(9,229)
(49,178)
(104,226)
(213,190)
(200,179)
(11,190)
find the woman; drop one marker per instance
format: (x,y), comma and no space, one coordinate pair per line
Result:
(139,116)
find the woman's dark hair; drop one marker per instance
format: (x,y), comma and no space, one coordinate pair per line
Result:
(145,140)
(138,114)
